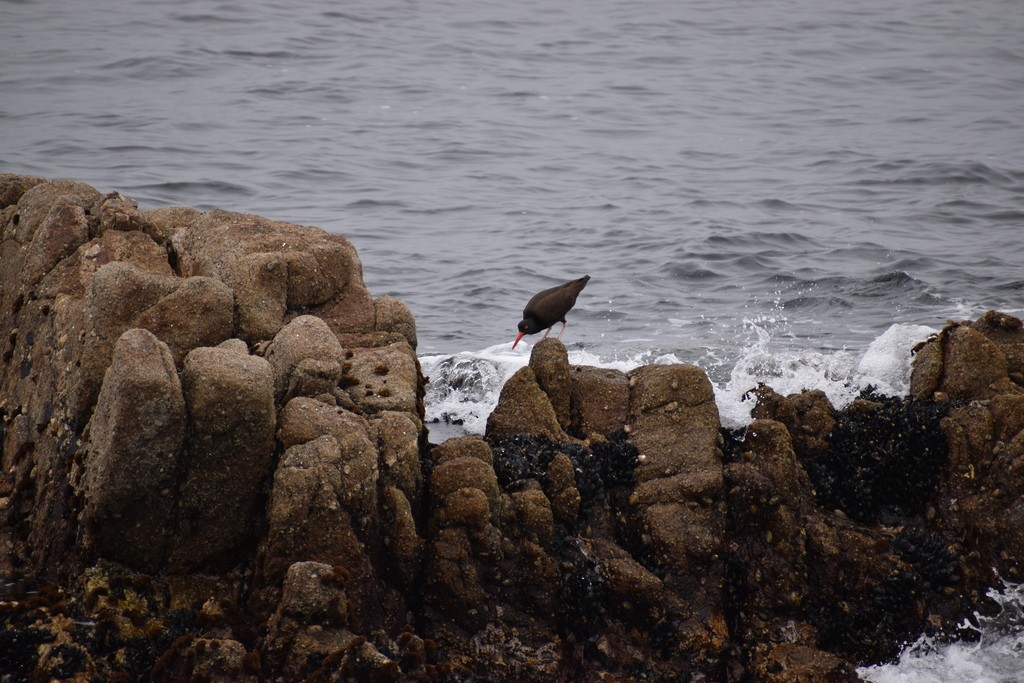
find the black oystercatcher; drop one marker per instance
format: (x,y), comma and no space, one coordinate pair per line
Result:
(549,307)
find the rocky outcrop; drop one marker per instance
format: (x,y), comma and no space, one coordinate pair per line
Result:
(978,369)
(214,467)
(194,395)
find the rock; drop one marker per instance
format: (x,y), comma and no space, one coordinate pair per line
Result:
(982,496)
(198,313)
(391,315)
(534,518)
(808,416)
(403,543)
(229,457)
(305,419)
(461,447)
(73,275)
(305,338)
(140,492)
(183,314)
(524,408)
(40,200)
(677,502)
(463,473)
(117,212)
(274,268)
(314,593)
(675,425)
(163,222)
(383,378)
(207,659)
(136,437)
(453,579)
(13,186)
(634,590)
(311,619)
(398,446)
(599,401)
(560,486)
(549,361)
(352,312)
(792,663)
(965,361)
(317,501)
(61,232)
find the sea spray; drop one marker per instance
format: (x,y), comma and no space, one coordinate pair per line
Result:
(997,656)
(464,387)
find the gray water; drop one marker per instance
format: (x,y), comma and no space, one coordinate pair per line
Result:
(763,187)
(829,168)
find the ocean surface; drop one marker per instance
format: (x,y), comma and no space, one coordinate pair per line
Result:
(778,191)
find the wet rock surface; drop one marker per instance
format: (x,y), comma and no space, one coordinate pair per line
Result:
(214,467)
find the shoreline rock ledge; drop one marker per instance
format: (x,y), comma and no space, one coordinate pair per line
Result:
(215,467)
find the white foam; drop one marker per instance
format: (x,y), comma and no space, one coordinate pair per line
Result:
(842,374)
(464,387)
(887,360)
(997,656)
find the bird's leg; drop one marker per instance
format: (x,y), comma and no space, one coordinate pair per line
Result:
(546,332)
(562,331)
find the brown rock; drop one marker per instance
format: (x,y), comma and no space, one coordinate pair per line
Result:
(391,315)
(162,223)
(600,400)
(560,486)
(117,212)
(403,543)
(313,592)
(40,199)
(198,313)
(13,186)
(634,590)
(808,415)
(73,275)
(970,361)
(62,231)
(306,337)
(118,294)
(453,578)
(549,361)
(384,378)
(461,447)
(230,454)
(305,419)
(677,504)
(310,619)
(275,268)
(320,500)
(534,519)
(136,437)
(795,663)
(524,408)
(1000,328)
(352,311)
(397,438)
(216,660)
(466,472)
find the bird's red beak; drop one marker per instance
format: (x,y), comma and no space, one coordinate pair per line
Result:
(520,336)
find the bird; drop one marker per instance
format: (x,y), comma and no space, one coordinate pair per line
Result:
(549,307)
